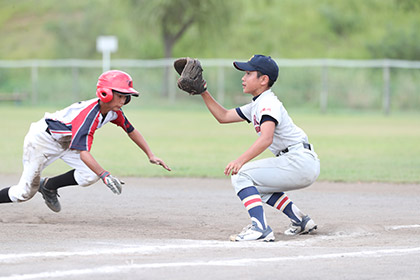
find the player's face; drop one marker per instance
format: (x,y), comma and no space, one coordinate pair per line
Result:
(117,102)
(252,84)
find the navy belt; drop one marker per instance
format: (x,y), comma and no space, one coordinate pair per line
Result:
(305,146)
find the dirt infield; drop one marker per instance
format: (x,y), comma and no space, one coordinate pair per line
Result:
(178,229)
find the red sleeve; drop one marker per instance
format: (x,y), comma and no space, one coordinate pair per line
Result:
(123,122)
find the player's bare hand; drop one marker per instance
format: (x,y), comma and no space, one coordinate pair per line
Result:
(158,161)
(233,167)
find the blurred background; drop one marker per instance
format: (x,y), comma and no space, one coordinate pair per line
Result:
(333,55)
(349,76)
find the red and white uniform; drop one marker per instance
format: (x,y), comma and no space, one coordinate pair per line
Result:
(80,121)
(297,168)
(63,135)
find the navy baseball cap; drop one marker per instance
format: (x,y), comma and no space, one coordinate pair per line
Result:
(265,64)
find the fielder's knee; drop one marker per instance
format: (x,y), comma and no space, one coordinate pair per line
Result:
(241,181)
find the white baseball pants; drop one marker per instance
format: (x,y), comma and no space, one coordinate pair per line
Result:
(40,149)
(296,169)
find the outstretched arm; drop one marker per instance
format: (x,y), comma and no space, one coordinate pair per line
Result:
(221,114)
(113,183)
(192,81)
(90,161)
(137,138)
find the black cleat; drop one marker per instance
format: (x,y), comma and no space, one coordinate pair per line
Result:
(50,196)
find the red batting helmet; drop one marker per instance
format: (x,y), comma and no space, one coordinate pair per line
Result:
(115,80)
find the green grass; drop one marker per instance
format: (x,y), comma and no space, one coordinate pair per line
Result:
(352,146)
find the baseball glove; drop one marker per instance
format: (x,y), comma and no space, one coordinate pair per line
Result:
(191,79)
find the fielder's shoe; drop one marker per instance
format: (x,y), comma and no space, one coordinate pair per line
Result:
(253,232)
(307,225)
(50,196)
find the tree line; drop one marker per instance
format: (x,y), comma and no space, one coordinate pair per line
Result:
(353,29)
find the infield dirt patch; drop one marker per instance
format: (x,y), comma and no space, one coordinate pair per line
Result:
(178,228)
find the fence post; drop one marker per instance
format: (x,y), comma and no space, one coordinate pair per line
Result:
(76,87)
(34,80)
(387,89)
(323,99)
(171,87)
(221,85)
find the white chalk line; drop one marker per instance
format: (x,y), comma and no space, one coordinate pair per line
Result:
(146,249)
(162,246)
(227,262)
(194,244)
(403,227)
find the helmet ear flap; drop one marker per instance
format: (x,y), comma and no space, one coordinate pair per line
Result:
(104,94)
(128,99)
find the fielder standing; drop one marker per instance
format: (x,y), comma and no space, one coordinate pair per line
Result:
(68,135)
(295,165)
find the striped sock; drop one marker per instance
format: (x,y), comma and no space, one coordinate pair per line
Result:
(282,202)
(252,201)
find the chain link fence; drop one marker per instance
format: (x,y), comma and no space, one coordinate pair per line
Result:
(322,84)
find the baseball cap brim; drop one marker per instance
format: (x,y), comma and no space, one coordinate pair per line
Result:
(264,64)
(244,66)
(130,91)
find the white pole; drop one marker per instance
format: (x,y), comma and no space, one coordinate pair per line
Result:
(387,90)
(323,99)
(106,61)
(221,85)
(34,78)
(106,45)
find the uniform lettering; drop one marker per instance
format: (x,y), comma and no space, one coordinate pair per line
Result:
(257,125)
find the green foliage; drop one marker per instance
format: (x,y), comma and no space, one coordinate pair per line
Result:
(341,21)
(398,43)
(221,29)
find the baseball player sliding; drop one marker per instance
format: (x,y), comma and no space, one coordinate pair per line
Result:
(68,135)
(295,165)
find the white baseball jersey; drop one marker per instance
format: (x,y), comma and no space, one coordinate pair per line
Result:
(286,132)
(294,168)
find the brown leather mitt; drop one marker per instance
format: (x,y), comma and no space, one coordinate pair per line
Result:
(191,79)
